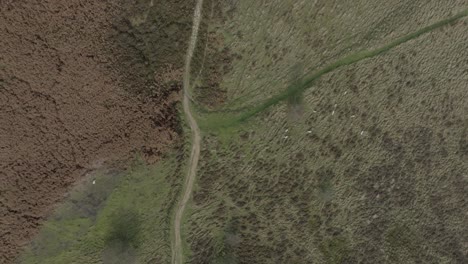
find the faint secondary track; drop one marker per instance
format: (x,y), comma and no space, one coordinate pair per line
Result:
(353,58)
(177,250)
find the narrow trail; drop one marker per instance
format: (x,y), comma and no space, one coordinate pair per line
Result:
(177,250)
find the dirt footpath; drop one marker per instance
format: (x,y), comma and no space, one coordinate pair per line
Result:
(65,109)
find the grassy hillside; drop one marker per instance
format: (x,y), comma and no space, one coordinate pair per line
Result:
(365,165)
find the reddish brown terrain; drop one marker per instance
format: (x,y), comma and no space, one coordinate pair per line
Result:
(67,106)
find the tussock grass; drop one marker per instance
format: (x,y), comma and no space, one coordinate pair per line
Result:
(224,120)
(357,177)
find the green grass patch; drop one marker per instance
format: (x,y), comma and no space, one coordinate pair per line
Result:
(127,225)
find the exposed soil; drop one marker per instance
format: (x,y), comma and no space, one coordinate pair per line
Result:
(177,251)
(72,99)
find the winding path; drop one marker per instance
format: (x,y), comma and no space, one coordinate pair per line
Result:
(177,249)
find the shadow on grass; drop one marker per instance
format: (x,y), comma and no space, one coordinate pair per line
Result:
(121,240)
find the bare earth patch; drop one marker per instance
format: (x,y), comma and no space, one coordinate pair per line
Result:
(65,109)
